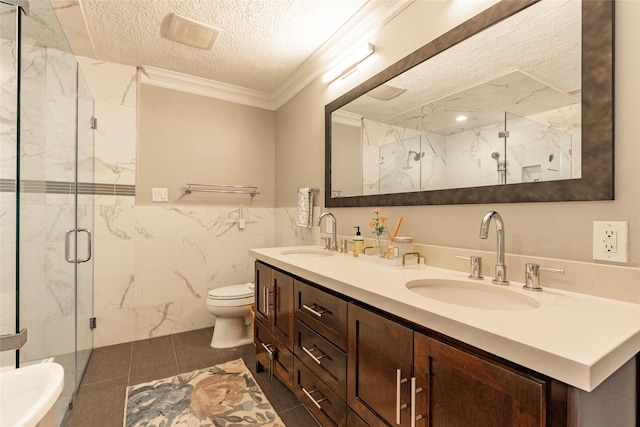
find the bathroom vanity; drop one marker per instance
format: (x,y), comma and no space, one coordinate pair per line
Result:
(360,344)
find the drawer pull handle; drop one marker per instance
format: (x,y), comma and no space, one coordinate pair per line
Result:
(315,358)
(399,382)
(315,402)
(316,310)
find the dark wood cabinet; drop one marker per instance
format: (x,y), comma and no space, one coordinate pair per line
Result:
(273,328)
(281,316)
(353,365)
(264,290)
(274,302)
(320,400)
(379,367)
(326,360)
(323,312)
(272,355)
(461,389)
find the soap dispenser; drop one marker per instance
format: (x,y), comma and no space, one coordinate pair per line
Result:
(358,242)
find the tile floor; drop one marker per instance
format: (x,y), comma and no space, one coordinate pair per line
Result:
(100,398)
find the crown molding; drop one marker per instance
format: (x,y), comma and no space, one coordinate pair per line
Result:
(370,18)
(205,87)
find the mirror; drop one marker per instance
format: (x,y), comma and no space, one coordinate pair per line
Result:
(535,82)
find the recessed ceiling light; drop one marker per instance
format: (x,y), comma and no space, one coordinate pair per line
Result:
(191,33)
(461,119)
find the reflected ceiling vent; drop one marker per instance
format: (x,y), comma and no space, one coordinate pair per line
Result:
(191,33)
(386,92)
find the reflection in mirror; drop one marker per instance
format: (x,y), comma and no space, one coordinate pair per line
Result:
(503,106)
(516,120)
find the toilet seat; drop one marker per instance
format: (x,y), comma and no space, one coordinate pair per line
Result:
(234,295)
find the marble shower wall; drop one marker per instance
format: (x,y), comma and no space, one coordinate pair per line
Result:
(534,152)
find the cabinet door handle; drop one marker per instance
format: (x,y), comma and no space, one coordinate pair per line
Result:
(315,402)
(271,350)
(414,392)
(265,301)
(315,359)
(399,382)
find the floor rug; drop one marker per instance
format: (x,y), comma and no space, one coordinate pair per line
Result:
(224,395)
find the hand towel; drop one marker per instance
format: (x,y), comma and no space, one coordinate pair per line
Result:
(305,207)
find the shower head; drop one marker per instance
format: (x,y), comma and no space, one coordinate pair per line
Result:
(495,155)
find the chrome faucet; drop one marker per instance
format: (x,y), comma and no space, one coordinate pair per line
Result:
(501,268)
(333,245)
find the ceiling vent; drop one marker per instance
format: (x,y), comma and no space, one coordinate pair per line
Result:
(386,92)
(191,33)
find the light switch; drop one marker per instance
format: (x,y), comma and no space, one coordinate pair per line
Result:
(159,195)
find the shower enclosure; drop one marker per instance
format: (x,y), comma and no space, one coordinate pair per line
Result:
(47,208)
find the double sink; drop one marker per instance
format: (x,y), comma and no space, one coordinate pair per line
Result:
(458,292)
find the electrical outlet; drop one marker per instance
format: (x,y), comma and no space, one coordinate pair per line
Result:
(610,241)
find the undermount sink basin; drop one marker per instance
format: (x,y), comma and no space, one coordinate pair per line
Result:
(476,295)
(28,393)
(308,252)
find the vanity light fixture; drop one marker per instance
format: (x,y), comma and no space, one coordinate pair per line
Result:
(461,119)
(191,33)
(349,64)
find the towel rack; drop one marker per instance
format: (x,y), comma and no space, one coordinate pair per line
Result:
(222,188)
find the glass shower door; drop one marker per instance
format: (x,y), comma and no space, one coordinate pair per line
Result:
(84,225)
(8,171)
(56,216)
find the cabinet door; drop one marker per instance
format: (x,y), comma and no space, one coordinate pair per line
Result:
(272,355)
(379,348)
(464,390)
(282,313)
(264,291)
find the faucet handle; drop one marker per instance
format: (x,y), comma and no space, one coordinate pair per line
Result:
(475,263)
(327,242)
(532,276)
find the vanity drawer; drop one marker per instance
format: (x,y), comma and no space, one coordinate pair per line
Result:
(323,403)
(265,341)
(324,359)
(322,312)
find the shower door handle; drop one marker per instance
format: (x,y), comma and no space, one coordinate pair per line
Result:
(84,230)
(67,256)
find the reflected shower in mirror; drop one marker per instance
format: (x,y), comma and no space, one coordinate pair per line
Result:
(496,102)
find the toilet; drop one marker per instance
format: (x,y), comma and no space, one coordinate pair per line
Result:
(231,306)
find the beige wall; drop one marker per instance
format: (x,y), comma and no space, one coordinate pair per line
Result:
(347,159)
(554,230)
(189,138)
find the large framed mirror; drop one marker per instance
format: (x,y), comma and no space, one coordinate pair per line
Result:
(513,105)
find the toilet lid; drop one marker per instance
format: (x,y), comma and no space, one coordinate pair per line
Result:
(232,292)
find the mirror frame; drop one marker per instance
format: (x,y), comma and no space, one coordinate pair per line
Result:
(597,182)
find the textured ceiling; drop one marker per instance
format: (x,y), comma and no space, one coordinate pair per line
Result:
(262,42)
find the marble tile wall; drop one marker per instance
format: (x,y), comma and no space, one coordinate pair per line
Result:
(154,265)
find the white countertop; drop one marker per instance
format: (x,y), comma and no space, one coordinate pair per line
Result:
(577,339)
